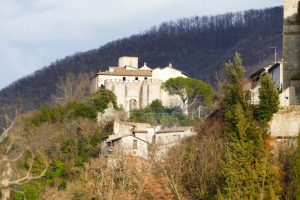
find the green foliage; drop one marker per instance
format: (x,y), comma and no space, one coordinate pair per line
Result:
(84,110)
(246,170)
(62,185)
(102,98)
(31,191)
(67,145)
(268,99)
(156,114)
(48,114)
(56,169)
(97,103)
(190,89)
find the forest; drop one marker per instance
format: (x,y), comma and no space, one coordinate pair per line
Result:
(197,45)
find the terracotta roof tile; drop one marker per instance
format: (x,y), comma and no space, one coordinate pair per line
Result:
(119,71)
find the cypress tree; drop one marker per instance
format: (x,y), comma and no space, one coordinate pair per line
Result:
(268,99)
(246,171)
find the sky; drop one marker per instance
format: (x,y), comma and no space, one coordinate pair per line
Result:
(34,33)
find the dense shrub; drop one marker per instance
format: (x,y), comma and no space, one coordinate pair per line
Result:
(102,98)
(156,114)
(98,102)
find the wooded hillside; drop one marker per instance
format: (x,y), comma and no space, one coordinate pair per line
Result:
(197,45)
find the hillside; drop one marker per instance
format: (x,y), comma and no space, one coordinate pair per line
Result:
(197,45)
(61,152)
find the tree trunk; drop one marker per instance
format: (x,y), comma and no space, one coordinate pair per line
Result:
(5,191)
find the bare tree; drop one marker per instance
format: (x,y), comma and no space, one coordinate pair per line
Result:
(71,88)
(7,181)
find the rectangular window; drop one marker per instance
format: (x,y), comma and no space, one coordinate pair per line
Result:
(134,144)
(136,78)
(124,78)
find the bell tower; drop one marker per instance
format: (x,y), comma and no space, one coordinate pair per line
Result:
(291,50)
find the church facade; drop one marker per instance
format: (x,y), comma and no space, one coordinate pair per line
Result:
(137,87)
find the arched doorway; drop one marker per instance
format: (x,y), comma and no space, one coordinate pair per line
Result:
(132,104)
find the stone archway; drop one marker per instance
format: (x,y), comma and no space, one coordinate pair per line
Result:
(132,104)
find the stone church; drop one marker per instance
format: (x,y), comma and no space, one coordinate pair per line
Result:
(285,74)
(137,87)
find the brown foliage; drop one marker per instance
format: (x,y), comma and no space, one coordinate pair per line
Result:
(193,167)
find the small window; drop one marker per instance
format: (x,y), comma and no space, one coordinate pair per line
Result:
(136,78)
(124,78)
(145,78)
(134,144)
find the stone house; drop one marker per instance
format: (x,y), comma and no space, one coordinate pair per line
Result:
(137,87)
(134,139)
(126,145)
(275,71)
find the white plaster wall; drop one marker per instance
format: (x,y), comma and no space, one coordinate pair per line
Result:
(172,137)
(102,78)
(286,122)
(255,95)
(128,61)
(142,136)
(144,92)
(125,128)
(127,147)
(290,8)
(166,73)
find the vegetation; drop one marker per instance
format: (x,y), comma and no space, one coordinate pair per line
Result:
(156,114)
(229,158)
(196,45)
(296,170)
(98,102)
(268,99)
(247,158)
(191,91)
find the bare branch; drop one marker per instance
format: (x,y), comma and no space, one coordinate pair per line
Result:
(7,130)
(28,176)
(5,159)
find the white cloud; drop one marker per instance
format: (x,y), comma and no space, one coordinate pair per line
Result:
(35,32)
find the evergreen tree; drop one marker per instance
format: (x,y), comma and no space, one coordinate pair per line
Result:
(246,171)
(268,99)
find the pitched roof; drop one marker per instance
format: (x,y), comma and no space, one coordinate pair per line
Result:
(175,129)
(120,71)
(114,138)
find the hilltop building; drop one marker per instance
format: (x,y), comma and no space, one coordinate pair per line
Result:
(137,87)
(135,139)
(286,74)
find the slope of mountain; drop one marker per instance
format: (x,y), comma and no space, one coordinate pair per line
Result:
(197,45)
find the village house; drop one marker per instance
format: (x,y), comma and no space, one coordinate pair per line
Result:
(137,87)
(134,139)
(275,71)
(285,74)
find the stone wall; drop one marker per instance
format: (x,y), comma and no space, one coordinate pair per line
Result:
(291,49)
(286,123)
(139,94)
